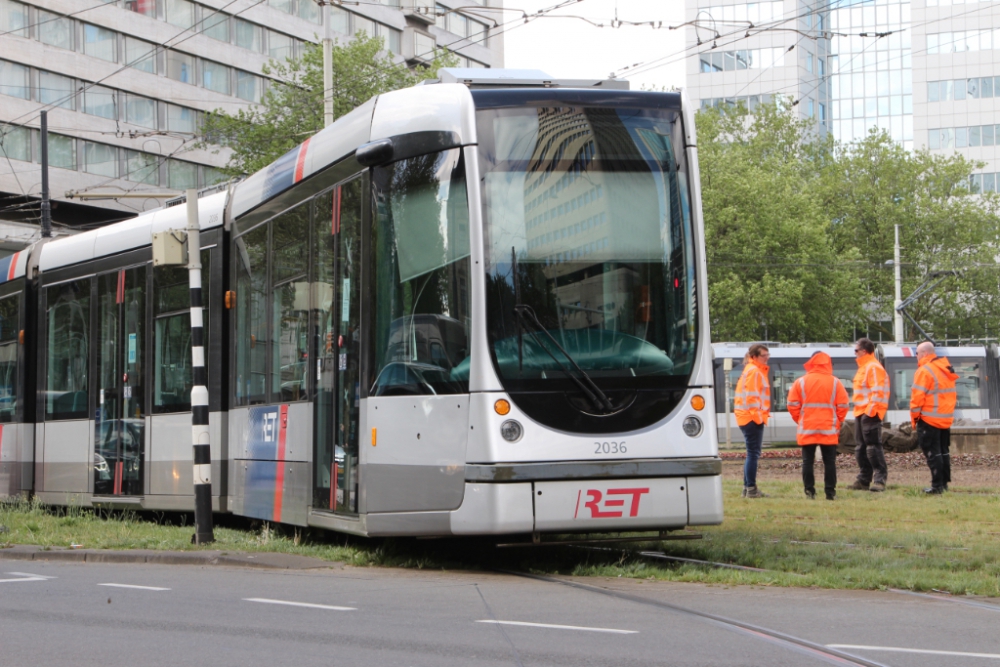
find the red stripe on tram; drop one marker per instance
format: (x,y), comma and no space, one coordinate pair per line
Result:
(118,478)
(335,228)
(300,162)
(13,266)
(333,483)
(279,478)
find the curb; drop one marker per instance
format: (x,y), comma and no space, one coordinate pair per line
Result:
(268,561)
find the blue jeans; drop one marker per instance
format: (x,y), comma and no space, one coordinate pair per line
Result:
(753,434)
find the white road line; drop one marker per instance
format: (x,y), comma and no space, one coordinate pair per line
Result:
(24,576)
(141,588)
(895,649)
(564,627)
(310,605)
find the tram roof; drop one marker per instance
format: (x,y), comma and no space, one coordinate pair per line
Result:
(787,351)
(904,351)
(128,234)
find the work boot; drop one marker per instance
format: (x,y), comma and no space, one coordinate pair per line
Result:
(811,495)
(877,487)
(743,494)
(859,485)
(933,490)
(830,496)
(754,492)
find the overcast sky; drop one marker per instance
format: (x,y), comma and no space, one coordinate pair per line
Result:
(572,48)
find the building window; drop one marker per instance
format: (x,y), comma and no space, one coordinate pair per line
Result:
(140,111)
(14,80)
(361,24)
(248,35)
(180,119)
(286,6)
(100,101)
(140,55)
(215,24)
(340,20)
(142,168)
(13,18)
(215,77)
(100,42)
(144,7)
(55,90)
(180,67)
(809,62)
(15,142)
(100,159)
(213,176)
(181,175)
(423,46)
(391,39)
(180,13)
(279,46)
(822,112)
(55,30)
(62,151)
(248,86)
(310,11)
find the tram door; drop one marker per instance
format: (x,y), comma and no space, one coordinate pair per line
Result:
(338,405)
(119,438)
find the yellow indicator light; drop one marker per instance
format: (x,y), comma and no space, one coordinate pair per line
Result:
(502,407)
(373,436)
(698,402)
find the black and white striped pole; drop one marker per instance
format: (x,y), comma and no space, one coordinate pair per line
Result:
(201,438)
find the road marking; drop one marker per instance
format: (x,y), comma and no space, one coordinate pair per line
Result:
(564,627)
(141,588)
(309,605)
(944,598)
(25,576)
(895,649)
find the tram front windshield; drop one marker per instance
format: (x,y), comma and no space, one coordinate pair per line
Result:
(590,266)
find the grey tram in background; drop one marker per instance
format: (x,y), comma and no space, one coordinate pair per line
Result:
(461,309)
(976,366)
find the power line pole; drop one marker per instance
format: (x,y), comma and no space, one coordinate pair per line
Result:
(46,205)
(201,437)
(327,65)
(897,316)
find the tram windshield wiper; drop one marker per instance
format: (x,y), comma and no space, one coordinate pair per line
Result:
(527,319)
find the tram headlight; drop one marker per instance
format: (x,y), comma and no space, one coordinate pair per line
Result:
(692,426)
(511,430)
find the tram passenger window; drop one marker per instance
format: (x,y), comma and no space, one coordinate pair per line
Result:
(420,255)
(172,335)
(67,350)
(8,357)
(901,383)
(967,385)
(785,374)
(290,305)
(251,259)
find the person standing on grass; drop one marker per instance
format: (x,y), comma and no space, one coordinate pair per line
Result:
(818,404)
(871,400)
(752,408)
(932,411)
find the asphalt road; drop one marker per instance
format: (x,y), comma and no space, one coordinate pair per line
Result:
(106,614)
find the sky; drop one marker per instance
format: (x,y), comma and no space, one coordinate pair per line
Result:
(573,48)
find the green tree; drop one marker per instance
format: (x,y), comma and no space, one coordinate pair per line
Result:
(292,108)
(773,270)
(873,185)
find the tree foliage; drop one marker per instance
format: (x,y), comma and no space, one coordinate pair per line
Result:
(799,230)
(292,108)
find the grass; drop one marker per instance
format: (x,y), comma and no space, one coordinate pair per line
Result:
(899,539)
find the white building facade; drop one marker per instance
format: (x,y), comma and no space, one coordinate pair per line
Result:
(127,82)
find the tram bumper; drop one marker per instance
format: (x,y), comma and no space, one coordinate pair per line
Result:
(590,496)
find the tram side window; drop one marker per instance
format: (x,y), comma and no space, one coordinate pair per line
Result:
(251,260)
(8,357)
(785,375)
(67,350)
(172,335)
(420,256)
(290,305)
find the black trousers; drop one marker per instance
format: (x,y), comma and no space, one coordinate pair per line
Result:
(829,453)
(868,450)
(936,446)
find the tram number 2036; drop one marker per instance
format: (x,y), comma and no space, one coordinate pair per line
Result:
(610,447)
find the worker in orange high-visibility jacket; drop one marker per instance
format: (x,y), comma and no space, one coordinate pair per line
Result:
(818,404)
(932,410)
(752,407)
(871,400)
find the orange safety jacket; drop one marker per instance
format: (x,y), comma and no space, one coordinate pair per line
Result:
(818,403)
(933,397)
(871,388)
(753,395)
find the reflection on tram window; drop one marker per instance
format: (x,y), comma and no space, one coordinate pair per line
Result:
(420,241)
(172,334)
(67,350)
(591,206)
(967,386)
(290,305)
(8,357)
(251,259)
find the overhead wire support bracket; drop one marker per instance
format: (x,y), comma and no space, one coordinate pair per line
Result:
(932,281)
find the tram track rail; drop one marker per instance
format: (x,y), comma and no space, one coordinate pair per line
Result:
(790,642)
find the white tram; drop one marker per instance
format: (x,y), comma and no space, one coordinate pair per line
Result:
(470,307)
